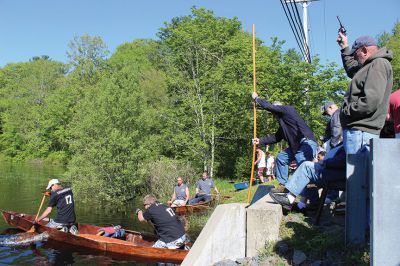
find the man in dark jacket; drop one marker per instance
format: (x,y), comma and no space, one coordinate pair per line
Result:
(333,168)
(366,102)
(333,131)
(293,129)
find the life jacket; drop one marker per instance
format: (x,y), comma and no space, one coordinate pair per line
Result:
(113,231)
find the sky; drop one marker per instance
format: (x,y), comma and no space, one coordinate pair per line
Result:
(45,27)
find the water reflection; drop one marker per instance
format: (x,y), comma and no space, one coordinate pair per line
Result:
(21,186)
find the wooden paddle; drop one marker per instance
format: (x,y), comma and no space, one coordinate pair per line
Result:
(33,229)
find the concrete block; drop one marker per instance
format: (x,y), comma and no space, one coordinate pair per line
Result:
(263,222)
(385,213)
(261,191)
(223,237)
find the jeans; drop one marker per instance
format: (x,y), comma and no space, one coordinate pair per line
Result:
(307,151)
(198,198)
(307,172)
(355,140)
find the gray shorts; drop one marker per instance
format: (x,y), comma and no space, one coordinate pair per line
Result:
(173,244)
(53,224)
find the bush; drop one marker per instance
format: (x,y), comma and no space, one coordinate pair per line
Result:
(160,176)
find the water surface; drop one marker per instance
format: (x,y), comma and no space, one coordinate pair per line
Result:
(21,186)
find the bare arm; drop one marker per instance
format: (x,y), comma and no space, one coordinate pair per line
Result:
(44,214)
(140,216)
(173,196)
(258,157)
(187,195)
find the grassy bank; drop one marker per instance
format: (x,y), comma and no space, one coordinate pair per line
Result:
(322,245)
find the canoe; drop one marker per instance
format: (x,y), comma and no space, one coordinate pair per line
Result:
(136,245)
(198,207)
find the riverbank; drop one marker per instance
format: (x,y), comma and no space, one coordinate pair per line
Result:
(300,241)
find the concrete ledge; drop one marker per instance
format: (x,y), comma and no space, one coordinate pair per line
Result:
(263,222)
(223,237)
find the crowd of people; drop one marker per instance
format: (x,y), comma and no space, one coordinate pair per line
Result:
(361,117)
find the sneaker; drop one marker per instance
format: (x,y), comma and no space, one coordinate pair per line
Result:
(73,230)
(282,199)
(280,189)
(296,208)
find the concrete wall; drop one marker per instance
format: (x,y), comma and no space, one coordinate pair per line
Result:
(223,237)
(263,222)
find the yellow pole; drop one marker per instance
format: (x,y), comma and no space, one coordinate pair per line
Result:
(254,116)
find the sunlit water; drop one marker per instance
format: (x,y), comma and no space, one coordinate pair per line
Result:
(21,186)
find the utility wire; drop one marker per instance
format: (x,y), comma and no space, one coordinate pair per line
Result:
(290,24)
(291,20)
(293,4)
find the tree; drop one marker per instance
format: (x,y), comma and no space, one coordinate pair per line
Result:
(87,56)
(392,42)
(116,127)
(26,88)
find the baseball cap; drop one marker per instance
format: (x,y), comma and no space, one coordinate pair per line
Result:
(363,41)
(52,182)
(325,107)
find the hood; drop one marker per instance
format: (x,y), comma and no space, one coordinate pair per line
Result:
(381,53)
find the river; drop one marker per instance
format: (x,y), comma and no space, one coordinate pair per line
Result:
(21,186)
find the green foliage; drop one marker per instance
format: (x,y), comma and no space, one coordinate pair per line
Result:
(392,42)
(87,57)
(160,176)
(182,98)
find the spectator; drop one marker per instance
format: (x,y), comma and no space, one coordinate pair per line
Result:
(332,168)
(394,111)
(367,100)
(333,131)
(270,166)
(260,162)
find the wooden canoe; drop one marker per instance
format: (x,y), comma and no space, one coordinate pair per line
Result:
(201,206)
(136,245)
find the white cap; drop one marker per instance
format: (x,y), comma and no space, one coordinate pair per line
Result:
(52,182)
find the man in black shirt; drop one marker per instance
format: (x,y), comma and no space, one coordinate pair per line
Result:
(169,228)
(293,129)
(64,200)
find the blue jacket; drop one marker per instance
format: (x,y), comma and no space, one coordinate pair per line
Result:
(292,127)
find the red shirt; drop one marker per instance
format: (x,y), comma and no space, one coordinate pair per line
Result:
(394,110)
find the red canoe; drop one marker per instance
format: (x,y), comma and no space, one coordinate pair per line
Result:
(136,244)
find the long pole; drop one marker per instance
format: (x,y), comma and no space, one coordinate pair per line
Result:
(254,117)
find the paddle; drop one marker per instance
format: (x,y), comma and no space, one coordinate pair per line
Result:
(33,228)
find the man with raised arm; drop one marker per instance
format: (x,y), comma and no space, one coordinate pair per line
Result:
(293,129)
(366,102)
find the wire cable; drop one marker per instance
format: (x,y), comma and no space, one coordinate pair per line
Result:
(290,24)
(307,47)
